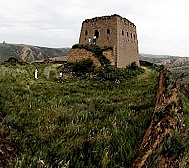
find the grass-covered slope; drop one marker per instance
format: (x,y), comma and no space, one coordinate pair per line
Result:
(78,123)
(179,78)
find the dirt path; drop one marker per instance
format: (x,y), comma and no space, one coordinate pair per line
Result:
(167,117)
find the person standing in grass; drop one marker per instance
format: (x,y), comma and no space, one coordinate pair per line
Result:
(61,75)
(35,74)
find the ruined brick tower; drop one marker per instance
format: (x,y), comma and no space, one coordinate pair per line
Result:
(116,32)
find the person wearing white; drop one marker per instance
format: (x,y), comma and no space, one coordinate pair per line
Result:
(89,40)
(35,75)
(94,40)
(61,75)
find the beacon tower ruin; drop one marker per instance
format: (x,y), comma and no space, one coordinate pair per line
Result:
(116,32)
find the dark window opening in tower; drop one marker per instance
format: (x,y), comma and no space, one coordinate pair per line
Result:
(134,36)
(131,35)
(108,31)
(96,33)
(127,34)
(86,33)
(122,32)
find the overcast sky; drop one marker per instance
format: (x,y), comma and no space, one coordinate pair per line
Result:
(162,25)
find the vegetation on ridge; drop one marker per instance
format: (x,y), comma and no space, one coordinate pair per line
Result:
(179,78)
(86,121)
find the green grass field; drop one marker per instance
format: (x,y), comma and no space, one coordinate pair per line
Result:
(82,122)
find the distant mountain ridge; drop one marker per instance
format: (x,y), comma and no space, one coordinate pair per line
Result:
(29,53)
(165,59)
(155,56)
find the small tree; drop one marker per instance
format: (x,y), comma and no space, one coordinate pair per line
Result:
(83,67)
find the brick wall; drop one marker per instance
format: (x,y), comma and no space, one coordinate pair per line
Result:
(109,55)
(102,25)
(79,54)
(75,55)
(127,43)
(116,32)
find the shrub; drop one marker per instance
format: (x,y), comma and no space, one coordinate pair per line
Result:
(112,73)
(133,66)
(174,144)
(83,67)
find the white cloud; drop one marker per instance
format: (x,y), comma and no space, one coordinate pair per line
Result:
(161,25)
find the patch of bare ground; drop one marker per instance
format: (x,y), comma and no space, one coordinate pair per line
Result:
(163,143)
(8,149)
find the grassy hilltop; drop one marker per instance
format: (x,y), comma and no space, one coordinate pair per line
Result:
(82,122)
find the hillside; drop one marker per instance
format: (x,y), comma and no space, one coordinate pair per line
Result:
(28,53)
(166,60)
(105,117)
(95,118)
(164,143)
(179,79)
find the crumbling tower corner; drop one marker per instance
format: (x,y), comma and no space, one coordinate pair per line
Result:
(112,31)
